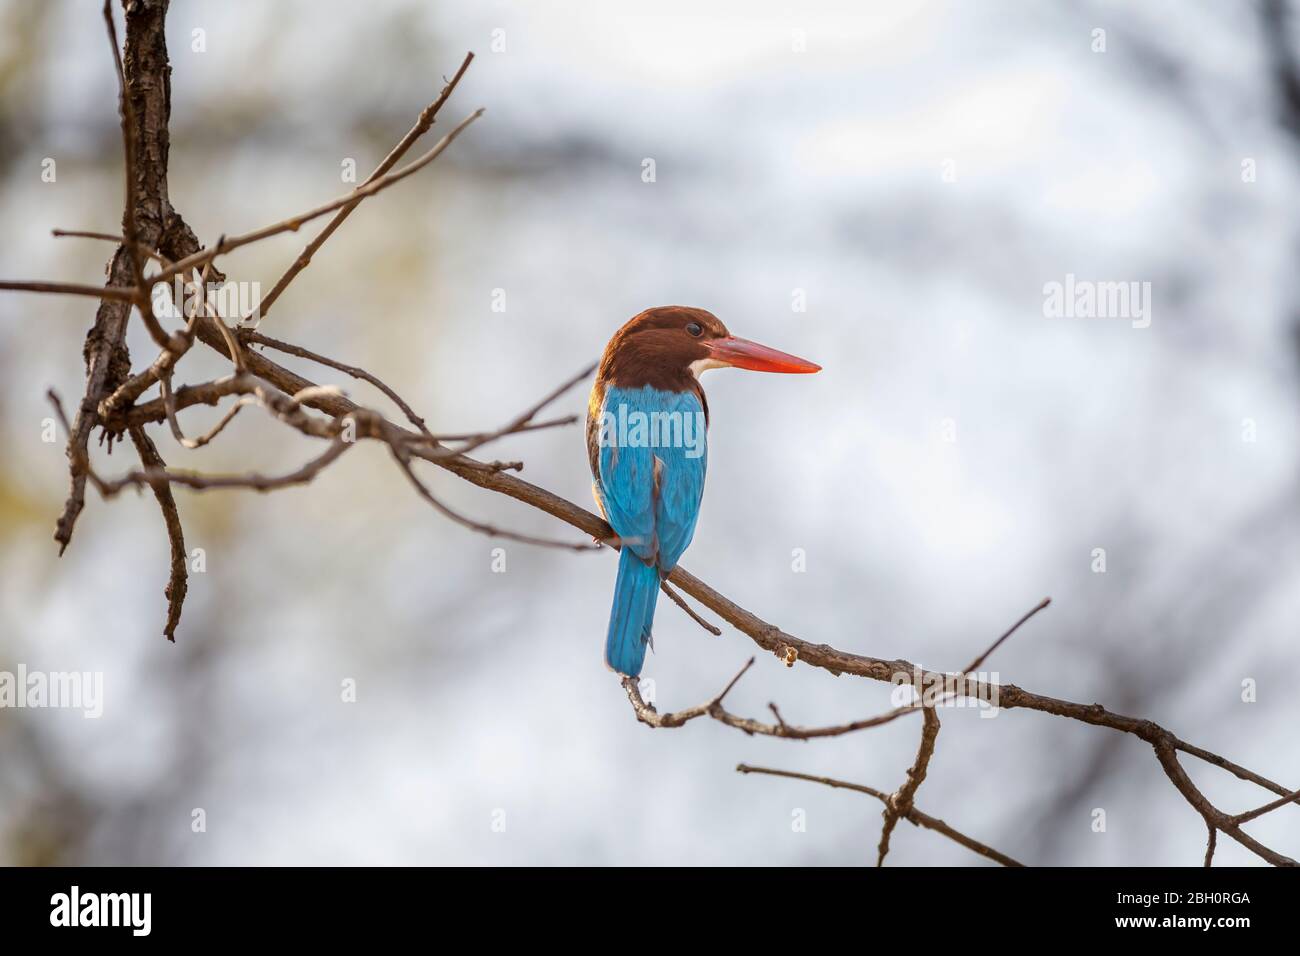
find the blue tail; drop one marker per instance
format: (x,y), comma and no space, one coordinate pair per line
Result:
(635,594)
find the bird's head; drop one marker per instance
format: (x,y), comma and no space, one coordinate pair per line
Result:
(672,341)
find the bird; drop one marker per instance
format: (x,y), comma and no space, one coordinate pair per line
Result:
(647,445)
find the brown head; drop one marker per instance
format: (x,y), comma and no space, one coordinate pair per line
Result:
(669,346)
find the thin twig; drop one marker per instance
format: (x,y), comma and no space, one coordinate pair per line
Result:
(402,457)
(258,338)
(913,815)
(109,237)
(422,125)
(974,665)
(521,420)
(1293,797)
(1167,754)
(107,358)
(647,714)
(177,582)
(130,229)
(108,292)
(295,223)
(901,801)
(690,611)
(155,477)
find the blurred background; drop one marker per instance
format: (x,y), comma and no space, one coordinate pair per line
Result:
(914,174)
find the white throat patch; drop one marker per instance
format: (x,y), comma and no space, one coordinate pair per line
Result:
(704,364)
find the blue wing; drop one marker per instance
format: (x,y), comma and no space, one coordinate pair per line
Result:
(652,459)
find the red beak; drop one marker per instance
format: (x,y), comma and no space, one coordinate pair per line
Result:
(742,353)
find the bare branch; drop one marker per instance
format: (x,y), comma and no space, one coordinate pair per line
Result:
(170,405)
(108,237)
(647,714)
(402,457)
(357,373)
(295,223)
(1241,818)
(155,477)
(690,611)
(146,90)
(422,125)
(520,421)
(913,815)
(975,664)
(130,231)
(177,583)
(901,801)
(130,212)
(108,293)
(1167,754)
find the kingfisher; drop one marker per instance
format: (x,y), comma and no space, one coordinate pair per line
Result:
(647,422)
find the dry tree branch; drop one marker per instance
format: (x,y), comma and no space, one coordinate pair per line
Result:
(204,393)
(146,101)
(521,421)
(988,652)
(130,212)
(1167,754)
(130,231)
(422,125)
(157,477)
(403,458)
(913,815)
(896,805)
(1241,818)
(293,224)
(162,367)
(646,713)
(178,582)
(358,373)
(530,427)
(170,405)
(901,800)
(107,237)
(107,293)
(369,424)
(690,611)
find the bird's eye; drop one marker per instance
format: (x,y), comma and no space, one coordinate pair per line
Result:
(695,329)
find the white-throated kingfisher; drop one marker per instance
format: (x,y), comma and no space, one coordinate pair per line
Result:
(647,426)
